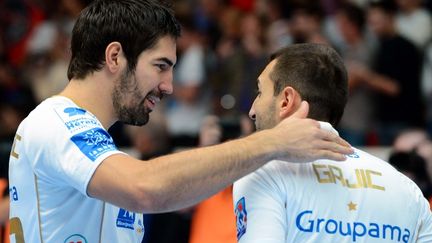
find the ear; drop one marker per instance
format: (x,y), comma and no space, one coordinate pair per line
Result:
(113,56)
(289,103)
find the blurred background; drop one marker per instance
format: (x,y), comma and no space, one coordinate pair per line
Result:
(225,44)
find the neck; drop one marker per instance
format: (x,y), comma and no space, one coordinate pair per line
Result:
(94,95)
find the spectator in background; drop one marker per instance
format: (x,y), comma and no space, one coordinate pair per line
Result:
(48,51)
(412,155)
(306,23)
(426,82)
(397,62)
(241,56)
(190,102)
(414,22)
(18,18)
(277,14)
(356,51)
(16,100)
(414,167)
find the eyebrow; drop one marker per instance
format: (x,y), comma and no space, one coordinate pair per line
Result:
(166,60)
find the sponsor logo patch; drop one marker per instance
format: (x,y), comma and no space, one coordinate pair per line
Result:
(94,142)
(241,217)
(308,222)
(125,219)
(72,111)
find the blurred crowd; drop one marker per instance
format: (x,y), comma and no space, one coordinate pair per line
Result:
(225,44)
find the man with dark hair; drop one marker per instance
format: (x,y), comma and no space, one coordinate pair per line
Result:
(69,182)
(356,51)
(361,200)
(398,61)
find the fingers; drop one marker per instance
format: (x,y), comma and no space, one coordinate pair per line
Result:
(334,147)
(334,150)
(302,111)
(325,154)
(333,137)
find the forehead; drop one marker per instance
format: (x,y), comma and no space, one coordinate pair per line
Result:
(165,47)
(264,77)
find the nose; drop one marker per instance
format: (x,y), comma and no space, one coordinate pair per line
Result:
(166,86)
(252,114)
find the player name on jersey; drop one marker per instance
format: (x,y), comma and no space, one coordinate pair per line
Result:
(330,174)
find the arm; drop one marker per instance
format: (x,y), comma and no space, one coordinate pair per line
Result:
(183,179)
(359,73)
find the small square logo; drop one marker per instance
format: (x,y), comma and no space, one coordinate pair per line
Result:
(125,219)
(241,217)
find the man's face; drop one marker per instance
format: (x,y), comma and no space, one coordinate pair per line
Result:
(379,22)
(136,94)
(263,110)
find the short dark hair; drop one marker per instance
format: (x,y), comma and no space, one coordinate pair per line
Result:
(136,24)
(317,72)
(387,6)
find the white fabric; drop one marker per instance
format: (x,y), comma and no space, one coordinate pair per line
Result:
(415,26)
(363,199)
(190,69)
(59,149)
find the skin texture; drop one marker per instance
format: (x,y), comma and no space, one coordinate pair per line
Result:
(269,109)
(179,180)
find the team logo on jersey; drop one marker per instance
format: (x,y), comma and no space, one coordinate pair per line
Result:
(241,217)
(72,111)
(76,238)
(125,219)
(94,142)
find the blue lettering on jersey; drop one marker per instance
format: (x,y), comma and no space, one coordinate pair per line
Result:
(81,123)
(354,155)
(72,111)
(94,142)
(125,219)
(13,194)
(241,217)
(306,223)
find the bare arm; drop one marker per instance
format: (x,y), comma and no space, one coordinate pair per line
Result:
(361,74)
(179,180)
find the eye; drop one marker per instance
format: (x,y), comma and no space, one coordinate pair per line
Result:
(162,66)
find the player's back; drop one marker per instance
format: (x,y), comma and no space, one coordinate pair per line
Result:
(363,199)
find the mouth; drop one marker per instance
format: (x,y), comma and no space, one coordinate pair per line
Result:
(151,101)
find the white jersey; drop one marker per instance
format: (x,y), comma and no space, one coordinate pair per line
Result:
(57,149)
(363,199)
